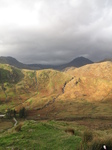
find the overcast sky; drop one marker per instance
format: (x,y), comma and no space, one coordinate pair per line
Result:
(55,31)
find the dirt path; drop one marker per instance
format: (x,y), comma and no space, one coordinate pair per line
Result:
(15,121)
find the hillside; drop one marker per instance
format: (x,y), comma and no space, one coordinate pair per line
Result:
(77,92)
(87,94)
(91,82)
(27,87)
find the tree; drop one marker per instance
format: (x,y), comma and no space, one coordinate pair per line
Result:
(14,113)
(22,113)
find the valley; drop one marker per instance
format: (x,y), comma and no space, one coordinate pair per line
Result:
(75,98)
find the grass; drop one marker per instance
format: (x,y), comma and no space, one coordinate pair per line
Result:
(40,136)
(4,125)
(50,135)
(87,136)
(92,142)
(98,143)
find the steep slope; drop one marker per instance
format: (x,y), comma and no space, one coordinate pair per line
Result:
(91,82)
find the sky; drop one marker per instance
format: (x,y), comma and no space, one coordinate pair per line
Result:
(55,31)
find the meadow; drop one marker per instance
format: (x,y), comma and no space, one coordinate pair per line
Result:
(59,135)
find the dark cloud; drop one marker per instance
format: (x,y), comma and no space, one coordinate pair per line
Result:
(49,31)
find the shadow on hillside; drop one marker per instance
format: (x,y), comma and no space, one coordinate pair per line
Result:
(13,76)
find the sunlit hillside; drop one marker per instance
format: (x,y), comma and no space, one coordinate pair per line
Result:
(29,88)
(91,82)
(84,91)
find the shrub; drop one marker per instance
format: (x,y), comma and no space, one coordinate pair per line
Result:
(71,131)
(18,127)
(87,136)
(22,113)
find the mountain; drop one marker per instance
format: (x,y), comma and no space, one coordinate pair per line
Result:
(77,62)
(23,87)
(48,93)
(12,61)
(92,82)
(80,61)
(41,66)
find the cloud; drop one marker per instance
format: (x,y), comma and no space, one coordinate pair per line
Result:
(49,31)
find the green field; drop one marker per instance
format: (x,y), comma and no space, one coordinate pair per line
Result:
(58,135)
(46,135)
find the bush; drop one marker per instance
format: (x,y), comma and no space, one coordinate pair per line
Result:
(18,127)
(70,131)
(87,136)
(86,139)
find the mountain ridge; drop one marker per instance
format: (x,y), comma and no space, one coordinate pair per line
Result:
(77,62)
(14,62)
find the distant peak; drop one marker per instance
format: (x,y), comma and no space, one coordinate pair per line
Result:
(81,59)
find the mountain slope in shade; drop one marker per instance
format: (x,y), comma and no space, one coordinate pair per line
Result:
(77,62)
(12,61)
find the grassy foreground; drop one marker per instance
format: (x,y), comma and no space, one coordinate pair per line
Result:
(48,135)
(87,134)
